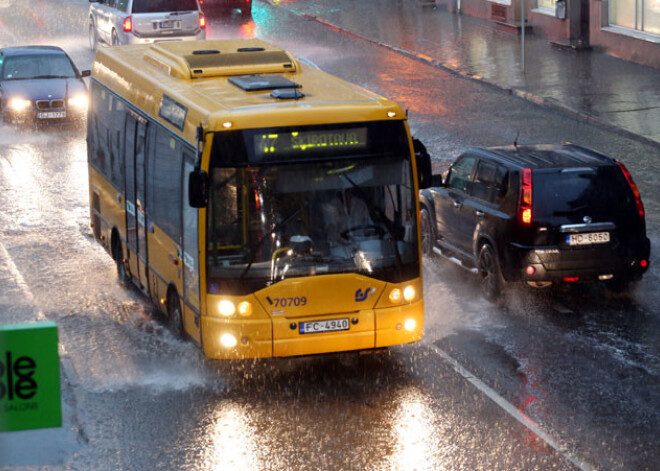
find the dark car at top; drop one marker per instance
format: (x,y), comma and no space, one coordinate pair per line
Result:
(539,214)
(41,84)
(245,6)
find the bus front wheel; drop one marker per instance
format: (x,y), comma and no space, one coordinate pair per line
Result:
(175,321)
(118,255)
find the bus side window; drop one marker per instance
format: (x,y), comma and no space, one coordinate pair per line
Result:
(166,188)
(225,207)
(99,133)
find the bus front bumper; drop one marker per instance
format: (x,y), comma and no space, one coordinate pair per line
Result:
(282,337)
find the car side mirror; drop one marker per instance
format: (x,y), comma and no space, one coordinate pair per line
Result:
(86,73)
(198,189)
(423,164)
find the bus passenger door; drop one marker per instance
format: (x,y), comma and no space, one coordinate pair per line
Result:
(191,289)
(135,151)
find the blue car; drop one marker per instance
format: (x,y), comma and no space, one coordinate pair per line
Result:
(41,84)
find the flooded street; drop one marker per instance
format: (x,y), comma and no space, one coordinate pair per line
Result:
(554,379)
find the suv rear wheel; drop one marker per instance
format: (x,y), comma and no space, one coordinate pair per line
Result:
(492,282)
(115,38)
(93,39)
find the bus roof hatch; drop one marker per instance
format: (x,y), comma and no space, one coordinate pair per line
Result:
(186,59)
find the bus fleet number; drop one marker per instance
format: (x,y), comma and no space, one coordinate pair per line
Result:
(290,302)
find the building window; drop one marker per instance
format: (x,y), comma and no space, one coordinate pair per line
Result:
(546,4)
(640,15)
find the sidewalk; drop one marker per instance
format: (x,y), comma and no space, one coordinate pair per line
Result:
(621,95)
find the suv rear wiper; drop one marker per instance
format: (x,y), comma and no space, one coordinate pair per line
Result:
(51,76)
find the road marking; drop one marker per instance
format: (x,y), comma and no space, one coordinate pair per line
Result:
(19,280)
(513,411)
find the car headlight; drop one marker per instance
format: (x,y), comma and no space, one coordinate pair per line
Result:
(19,104)
(78,102)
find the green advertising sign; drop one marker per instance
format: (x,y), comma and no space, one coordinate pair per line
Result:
(29,377)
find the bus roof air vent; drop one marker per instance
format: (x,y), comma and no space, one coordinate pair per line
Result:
(287,94)
(186,59)
(253,83)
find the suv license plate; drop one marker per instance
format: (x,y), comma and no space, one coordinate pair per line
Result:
(588,239)
(332,325)
(51,114)
(170,24)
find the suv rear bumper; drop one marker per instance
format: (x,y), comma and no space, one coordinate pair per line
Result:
(130,38)
(557,265)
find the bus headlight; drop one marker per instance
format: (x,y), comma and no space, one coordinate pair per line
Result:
(78,102)
(228,340)
(19,104)
(409,293)
(395,296)
(226,308)
(410,325)
(244,308)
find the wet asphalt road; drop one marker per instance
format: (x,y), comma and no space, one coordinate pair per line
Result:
(582,365)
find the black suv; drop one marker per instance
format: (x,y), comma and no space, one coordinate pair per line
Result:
(540,214)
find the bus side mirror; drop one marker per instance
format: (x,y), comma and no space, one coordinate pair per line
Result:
(198,189)
(423,164)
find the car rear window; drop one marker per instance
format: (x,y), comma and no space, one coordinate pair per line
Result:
(599,190)
(157,6)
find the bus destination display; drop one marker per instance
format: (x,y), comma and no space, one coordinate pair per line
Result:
(303,142)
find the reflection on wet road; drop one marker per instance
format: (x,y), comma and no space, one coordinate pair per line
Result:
(583,365)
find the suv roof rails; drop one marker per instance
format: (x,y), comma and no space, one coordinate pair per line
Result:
(549,155)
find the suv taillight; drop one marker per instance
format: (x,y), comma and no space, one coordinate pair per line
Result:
(635,190)
(202,21)
(525,206)
(128,24)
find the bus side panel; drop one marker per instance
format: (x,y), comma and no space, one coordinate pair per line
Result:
(110,212)
(164,263)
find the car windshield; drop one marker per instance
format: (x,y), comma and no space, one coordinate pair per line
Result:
(271,222)
(157,6)
(37,66)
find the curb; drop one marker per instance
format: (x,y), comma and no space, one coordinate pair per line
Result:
(550,103)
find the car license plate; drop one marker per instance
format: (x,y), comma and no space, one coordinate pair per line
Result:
(588,238)
(51,114)
(331,325)
(170,24)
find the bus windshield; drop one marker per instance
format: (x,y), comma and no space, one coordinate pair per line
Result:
(275,221)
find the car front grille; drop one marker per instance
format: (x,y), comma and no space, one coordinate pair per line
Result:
(50,104)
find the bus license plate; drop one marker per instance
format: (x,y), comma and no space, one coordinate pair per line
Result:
(588,239)
(331,325)
(51,114)
(170,24)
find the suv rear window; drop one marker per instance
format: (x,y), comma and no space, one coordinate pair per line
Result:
(599,190)
(157,6)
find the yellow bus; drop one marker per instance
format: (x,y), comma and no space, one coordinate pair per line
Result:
(267,208)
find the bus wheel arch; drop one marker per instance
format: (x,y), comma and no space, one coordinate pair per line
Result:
(174,312)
